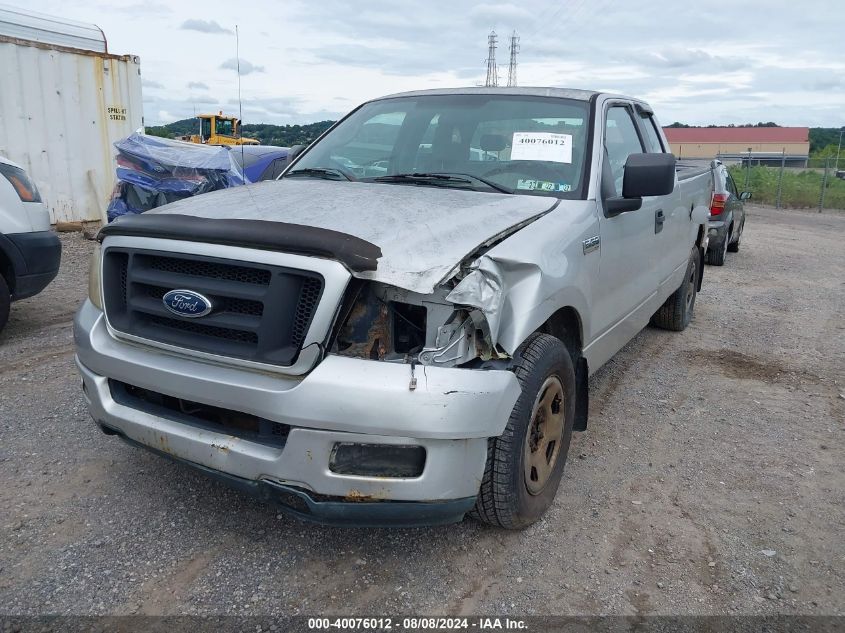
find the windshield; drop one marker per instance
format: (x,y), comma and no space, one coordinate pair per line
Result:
(224,126)
(523,144)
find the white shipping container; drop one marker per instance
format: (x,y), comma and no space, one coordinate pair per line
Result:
(64,101)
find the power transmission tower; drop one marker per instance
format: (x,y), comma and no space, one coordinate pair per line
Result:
(512,64)
(492,71)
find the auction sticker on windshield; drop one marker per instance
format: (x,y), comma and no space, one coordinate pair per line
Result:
(542,185)
(546,146)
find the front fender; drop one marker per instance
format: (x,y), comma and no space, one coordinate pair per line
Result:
(544,268)
(531,302)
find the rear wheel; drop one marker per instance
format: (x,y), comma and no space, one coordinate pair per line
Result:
(525,464)
(676,313)
(5,302)
(734,248)
(717,256)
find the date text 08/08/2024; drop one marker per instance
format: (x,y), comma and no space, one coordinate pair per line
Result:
(416,624)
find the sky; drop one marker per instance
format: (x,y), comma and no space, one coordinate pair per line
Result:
(305,61)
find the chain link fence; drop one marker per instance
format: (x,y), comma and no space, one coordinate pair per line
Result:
(819,183)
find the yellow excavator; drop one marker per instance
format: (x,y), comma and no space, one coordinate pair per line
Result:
(216,129)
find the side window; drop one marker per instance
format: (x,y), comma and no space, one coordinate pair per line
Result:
(620,141)
(652,138)
(731,185)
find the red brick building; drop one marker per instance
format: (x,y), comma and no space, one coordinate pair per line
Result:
(766,144)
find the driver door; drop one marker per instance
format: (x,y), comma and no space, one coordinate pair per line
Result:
(626,283)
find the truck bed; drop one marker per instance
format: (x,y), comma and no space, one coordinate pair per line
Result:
(691,168)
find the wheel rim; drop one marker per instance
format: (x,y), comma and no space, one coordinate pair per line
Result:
(545,433)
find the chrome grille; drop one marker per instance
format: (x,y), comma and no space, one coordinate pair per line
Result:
(261,312)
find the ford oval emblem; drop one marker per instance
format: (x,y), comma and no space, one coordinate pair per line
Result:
(187,303)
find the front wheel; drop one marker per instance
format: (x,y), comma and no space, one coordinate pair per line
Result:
(525,464)
(676,313)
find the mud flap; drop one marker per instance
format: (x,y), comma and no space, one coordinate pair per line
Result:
(701,253)
(582,395)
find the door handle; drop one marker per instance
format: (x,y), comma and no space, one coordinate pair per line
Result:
(659,219)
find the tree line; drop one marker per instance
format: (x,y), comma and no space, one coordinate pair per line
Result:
(288,135)
(265,133)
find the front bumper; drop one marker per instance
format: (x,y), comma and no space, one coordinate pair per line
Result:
(451,414)
(329,511)
(35,258)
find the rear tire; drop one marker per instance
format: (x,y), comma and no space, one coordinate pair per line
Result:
(734,248)
(525,464)
(676,313)
(717,256)
(5,302)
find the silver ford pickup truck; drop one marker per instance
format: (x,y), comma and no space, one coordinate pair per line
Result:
(400,329)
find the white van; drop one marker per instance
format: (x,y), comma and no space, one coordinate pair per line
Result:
(29,251)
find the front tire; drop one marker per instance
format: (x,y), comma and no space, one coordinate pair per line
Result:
(525,464)
(676,313)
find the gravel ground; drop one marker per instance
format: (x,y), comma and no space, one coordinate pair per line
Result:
(710,480)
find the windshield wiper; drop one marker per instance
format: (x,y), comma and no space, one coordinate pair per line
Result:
(328,173)
(442,179)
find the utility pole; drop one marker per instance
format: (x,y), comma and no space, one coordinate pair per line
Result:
(492,71)
(780,177)
(512,64)
(835,169)
(824,186)
(748,169)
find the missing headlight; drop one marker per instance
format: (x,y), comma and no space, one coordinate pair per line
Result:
(408,327)
(380,329)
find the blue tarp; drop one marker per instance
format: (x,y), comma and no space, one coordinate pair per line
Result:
(153,171)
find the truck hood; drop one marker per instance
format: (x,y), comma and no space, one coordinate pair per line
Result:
(424,232)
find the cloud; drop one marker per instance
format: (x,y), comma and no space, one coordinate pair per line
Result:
(500,13)
(149,83)
(246,67)
(144,9)
(202,99)
(395,59)
(709,67)
(825,84)
(203,26)
(275,108)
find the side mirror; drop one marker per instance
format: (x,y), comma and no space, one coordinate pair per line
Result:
(745,195)
(648,175)
(645,175)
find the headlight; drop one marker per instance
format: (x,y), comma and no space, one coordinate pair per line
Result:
(95,293)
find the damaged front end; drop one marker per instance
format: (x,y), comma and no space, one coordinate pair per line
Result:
(454,326)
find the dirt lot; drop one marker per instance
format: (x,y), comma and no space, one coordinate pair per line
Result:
(710,480)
